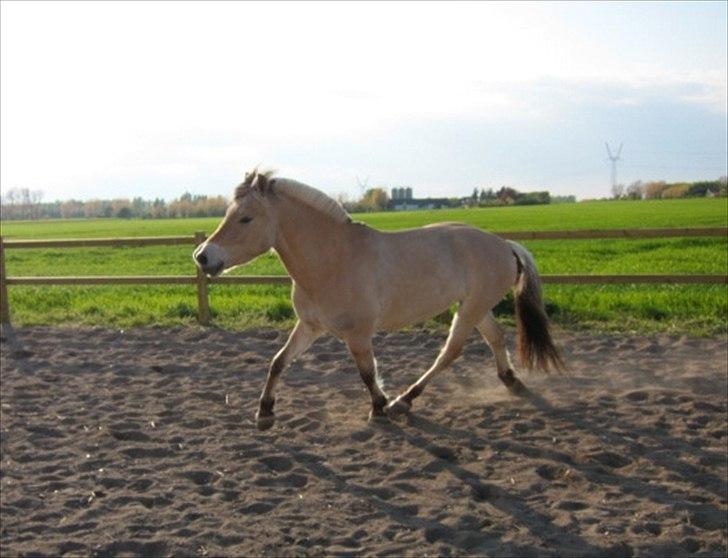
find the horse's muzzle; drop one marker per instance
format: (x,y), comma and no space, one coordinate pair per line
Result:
(213,270)
(210,265)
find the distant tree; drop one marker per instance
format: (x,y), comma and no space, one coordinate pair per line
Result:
(675,191)
(653,190)
(71,209)
(617,191)
(635,191)
(158,209)
(25,201)
(140,207)
(36,196)
(533,198)
(213,207)
(93,208)
(704,188)
(486,196)
(11,196)
(121,208)
(507,195)
(374,199)
(9,204)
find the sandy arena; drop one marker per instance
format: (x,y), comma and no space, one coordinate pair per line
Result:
(143,442)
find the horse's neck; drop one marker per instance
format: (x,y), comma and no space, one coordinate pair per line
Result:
(309,243)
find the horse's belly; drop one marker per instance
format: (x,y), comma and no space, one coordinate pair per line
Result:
(419,301)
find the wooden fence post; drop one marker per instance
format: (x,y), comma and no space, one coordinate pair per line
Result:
(203,304)
(4,303)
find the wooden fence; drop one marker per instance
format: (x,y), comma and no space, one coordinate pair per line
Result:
(202,281)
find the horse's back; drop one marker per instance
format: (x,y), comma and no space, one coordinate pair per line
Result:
(457,244)
(421,272)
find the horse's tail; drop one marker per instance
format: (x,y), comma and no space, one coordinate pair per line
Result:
(535,346)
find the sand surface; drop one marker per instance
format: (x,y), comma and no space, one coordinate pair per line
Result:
(143,442)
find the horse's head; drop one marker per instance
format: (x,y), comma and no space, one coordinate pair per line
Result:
(247,230)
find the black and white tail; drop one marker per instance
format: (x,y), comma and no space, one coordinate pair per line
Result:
(535,346)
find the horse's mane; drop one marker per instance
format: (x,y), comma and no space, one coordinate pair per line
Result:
(307,195)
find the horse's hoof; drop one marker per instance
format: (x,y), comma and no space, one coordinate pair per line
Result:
(265,422)
(398,407)
(378,416)
(517,387)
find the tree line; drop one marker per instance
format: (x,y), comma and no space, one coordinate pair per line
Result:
(21,203)
(510,196)
(377,199)
(661,190)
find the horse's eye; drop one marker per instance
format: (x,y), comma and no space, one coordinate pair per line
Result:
(244,220)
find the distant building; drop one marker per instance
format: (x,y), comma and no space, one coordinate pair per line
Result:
(401,194)
(402,200)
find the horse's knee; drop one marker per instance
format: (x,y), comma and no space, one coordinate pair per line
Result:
(276,366)
(364,359)
(447,357)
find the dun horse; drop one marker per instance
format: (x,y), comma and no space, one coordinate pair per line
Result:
(351,280)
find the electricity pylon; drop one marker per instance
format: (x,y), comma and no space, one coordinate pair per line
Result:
(614,159)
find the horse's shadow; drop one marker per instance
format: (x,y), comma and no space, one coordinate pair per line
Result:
(420,433)
(659,440)
(471,540)
(702,514)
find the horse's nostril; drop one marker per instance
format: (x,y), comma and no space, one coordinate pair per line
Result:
(201,258)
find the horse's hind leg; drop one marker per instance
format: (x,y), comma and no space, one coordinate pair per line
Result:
(367,365)
(462,325)
(494,335)
(301,338)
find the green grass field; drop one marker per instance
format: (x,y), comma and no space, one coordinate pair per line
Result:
(698,309)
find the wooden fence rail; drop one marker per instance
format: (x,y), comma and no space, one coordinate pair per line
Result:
(202,281)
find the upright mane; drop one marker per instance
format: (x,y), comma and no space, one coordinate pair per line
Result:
(299,192)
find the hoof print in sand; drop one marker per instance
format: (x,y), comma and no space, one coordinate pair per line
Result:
(277,463)
(147,453)
(442,452)
(256,509)
(200,478)
(610,459)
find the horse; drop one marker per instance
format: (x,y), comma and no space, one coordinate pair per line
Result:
(351,280)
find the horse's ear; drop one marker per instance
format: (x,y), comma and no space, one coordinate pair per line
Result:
(261,183)
(250,176)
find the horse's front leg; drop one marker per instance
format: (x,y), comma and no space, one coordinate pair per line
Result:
(301,338)
(363,354)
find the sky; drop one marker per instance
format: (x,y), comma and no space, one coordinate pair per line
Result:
(106,99)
